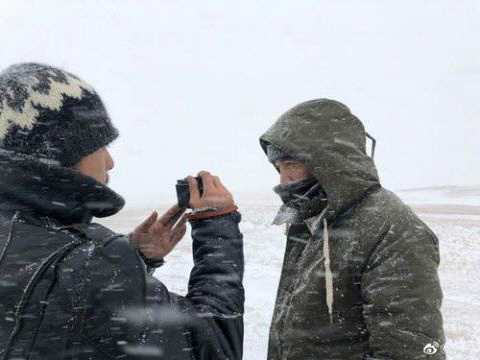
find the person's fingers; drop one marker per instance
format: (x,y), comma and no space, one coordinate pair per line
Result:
(147,223)
(223,189)
(194,192)
(216,181)
(203,172)
(177,216)
(207,180)
(178,233)
(219,184)
(180,224)
(172,213)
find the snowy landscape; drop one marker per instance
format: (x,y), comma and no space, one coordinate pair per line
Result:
(192,86)
(452,212)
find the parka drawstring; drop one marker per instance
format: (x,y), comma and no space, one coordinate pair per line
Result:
(328,271)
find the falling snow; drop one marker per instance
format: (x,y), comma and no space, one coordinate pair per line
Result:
(458,231)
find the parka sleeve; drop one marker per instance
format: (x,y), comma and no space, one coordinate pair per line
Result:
(215,289)
(402,295)
(213,307)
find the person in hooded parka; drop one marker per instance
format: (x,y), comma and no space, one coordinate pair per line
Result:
(359,277)
(73,289)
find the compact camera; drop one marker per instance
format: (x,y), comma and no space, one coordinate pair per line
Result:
(183,192)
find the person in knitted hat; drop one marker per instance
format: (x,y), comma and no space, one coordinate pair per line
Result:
(71,288)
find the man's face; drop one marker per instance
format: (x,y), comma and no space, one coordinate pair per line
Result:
(96,165)
(291,171)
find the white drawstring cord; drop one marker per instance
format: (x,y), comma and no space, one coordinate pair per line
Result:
(328,271)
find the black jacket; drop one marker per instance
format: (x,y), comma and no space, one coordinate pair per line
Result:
(73,289)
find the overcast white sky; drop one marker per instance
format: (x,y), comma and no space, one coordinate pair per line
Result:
(191,85)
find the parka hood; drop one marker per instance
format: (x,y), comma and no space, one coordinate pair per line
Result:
(52,190)
(333,142)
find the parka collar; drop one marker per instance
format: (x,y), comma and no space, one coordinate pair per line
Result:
(52,190)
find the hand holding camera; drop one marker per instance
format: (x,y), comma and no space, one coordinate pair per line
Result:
(206,195)
(208,192)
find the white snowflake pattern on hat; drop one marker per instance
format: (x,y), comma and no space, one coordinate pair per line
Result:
(25,86)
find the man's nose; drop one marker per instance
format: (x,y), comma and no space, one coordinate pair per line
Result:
(284,178)
(110,162)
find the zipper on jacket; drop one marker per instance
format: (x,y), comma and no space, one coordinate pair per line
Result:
(292,286)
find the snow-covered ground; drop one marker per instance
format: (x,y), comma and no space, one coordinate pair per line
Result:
(452,212)
(443,195)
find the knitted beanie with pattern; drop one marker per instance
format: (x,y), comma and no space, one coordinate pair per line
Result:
(52,115)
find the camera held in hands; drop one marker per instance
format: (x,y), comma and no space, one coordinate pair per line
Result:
(183,192)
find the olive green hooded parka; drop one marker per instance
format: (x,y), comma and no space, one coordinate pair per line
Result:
(364,285)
